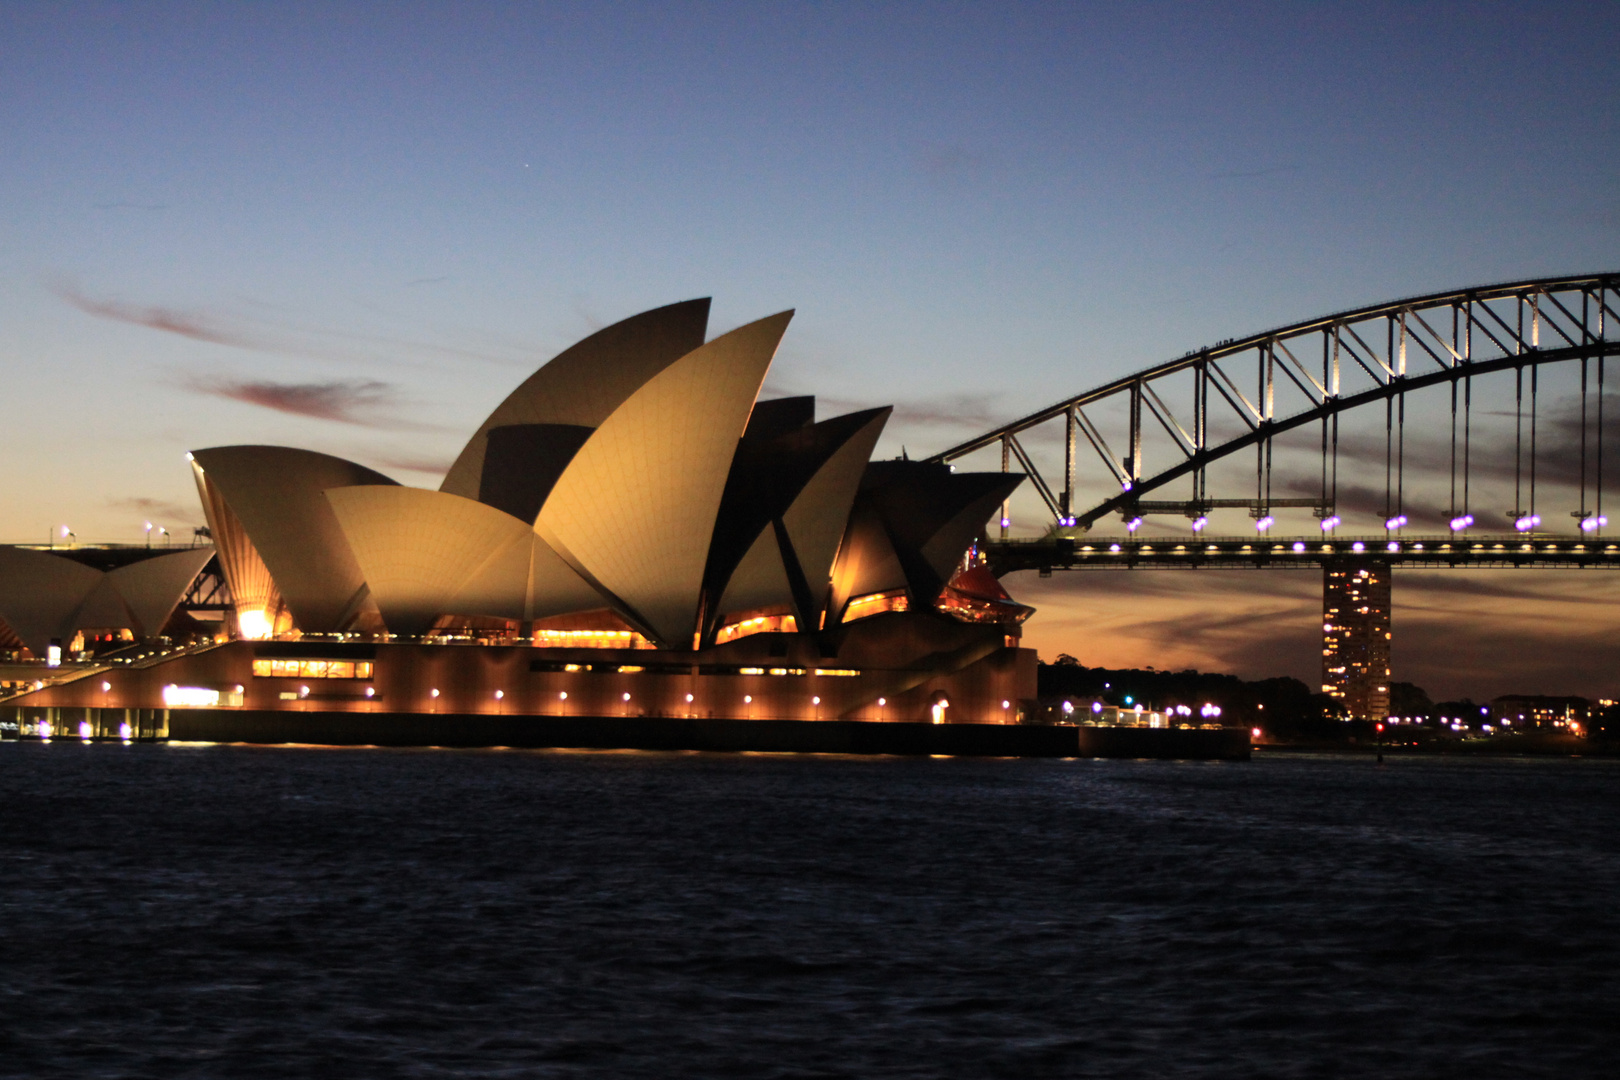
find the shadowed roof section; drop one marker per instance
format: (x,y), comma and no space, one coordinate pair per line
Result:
(586,382)
(635,510)
(40,594)
(153,588)
(815,522)
(427,554)
(45,595)
(522,463)
(783,514)
(779,416)
(278,494)
(929,516)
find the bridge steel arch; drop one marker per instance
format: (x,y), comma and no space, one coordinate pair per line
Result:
(1336,363)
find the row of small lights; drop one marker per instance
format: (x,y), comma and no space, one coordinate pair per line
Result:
(1525,523)
(1299,547)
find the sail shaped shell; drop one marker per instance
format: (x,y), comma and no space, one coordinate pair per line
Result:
(635,509)
(585,383)
(278,493)
(426,554)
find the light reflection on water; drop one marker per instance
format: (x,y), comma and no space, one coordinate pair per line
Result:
(228,911)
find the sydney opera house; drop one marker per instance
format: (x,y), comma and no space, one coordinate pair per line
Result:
(630,535)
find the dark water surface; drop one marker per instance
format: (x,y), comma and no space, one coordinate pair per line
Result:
(234,912)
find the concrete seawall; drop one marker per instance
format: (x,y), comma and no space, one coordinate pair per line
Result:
(660,733)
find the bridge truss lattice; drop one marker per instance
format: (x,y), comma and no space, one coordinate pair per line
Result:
(1241,394)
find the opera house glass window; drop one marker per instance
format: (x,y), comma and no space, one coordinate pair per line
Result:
(312,669)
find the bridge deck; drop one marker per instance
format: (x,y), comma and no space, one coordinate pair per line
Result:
(1248,552)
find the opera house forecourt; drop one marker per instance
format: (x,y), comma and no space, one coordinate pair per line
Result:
(631,551)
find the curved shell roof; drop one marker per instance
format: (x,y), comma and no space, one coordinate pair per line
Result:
(633,473)
(278,493)
(790,561)
(45,595)
(585,383)
(426,554)
(635,510)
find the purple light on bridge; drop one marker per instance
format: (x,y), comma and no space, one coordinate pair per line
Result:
(1199,523)
(1133,524)
(1358,546)
(1299,547)
(1392,547)
(1265,523)
(1006,522)
(1458,524)
(1527,522)
(1396,522)
(1591,524)
(1330,523)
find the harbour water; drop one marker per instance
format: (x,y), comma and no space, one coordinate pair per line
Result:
(220,911)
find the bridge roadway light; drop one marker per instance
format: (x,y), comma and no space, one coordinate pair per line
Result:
(1527,522)
(1199,522)
(1265,523)
(1396,522)
(1132,525)
(1459,524)
(1593,523)
(1330,523)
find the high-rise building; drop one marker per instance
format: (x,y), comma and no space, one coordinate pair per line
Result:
(1356,635)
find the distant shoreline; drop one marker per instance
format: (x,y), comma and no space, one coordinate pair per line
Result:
(1503,746)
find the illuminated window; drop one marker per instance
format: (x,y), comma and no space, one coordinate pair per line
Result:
(759,624)
(590,639)
(312,669)
(875,604)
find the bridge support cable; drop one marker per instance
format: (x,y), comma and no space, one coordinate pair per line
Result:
(1378,354)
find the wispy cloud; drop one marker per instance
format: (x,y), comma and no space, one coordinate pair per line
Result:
(169,320)
(1456,632)
(157,510)
(347,401)
(974,411)
(949,161)
(275,334)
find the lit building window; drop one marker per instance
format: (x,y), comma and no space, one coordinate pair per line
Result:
(590,639)
(875,604)
(760,624)
(312,669)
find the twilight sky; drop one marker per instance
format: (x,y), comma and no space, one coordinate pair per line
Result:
(356,227)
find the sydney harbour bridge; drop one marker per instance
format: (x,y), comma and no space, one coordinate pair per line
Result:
(1471,428)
